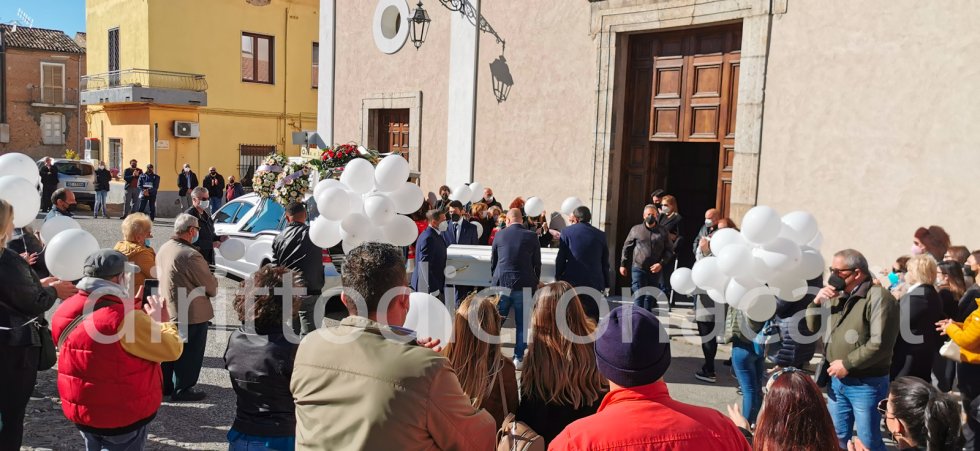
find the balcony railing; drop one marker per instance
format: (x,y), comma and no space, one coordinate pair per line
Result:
(53,96)
(145,78)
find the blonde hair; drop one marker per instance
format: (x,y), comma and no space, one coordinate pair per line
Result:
(476,362)
(671,202)
(921,269)
(6,219)
(556,370)
(134,225)
(477,209)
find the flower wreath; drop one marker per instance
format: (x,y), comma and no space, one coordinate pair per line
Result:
(293,184)
(267,174)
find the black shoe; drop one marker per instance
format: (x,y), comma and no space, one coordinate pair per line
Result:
(188,395)
(727,362)
(705,376)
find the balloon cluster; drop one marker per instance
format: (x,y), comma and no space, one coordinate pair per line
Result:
(367,204)
(770,258)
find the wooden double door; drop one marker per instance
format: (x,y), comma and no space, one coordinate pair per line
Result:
(681,89)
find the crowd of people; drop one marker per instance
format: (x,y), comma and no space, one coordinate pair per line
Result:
(359,379)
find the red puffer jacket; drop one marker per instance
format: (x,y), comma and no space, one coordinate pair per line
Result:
(102,386)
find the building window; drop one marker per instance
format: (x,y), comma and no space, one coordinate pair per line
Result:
(53,83)
(53,128)
(114,50)
(316,65)
(115,153)
(257,58)
(250,156)
(389,128)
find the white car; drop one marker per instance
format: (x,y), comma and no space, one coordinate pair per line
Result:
(258,222)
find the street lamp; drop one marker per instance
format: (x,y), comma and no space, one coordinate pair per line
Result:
(420,25)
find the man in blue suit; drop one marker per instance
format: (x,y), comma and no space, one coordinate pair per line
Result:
(583,259)
(460,231)
(515,261)
(430,256)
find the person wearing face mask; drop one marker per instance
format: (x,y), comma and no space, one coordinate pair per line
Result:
(187,285)
(62,202)
(442,203)
(583,259)
(207,241)
(933,240)
(515,262)
(137,229)
(656,199)
(863,321)
(131,177)
(233,189)
(460,231)
(971,271)
(215,184)
(430,256)
(646,252)
(102,177)
(49,183)
(23,301)
(488,198)
(918,416)
(917,348)
(704,306)
(186,182)
(148,184)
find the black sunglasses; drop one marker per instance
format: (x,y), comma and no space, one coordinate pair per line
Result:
(838,271)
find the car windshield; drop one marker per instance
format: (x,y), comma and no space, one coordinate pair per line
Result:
(73,168)
(269,216)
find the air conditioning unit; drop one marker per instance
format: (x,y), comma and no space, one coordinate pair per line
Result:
(187,129)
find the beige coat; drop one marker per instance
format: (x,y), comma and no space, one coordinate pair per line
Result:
(374,393)
(184,274)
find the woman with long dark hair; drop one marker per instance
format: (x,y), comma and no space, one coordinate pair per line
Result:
(919,416)
(794,416)
(952,287)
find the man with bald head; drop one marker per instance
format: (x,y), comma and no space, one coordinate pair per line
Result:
(515,261)
(709,324)
(711,218)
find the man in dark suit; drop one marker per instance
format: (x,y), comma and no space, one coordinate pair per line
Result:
(430,256)
(460,231)
(583,259)
(515,262)
(49,183)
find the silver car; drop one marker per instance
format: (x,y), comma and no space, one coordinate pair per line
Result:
(76,175)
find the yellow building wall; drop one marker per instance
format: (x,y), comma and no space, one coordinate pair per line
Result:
(129,125)
(132,19)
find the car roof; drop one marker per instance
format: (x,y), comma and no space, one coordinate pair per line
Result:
(65,160)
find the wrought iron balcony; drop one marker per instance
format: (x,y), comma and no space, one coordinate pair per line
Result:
(144,85)
(53,97)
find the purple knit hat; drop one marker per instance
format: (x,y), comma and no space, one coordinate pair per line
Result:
(634,348)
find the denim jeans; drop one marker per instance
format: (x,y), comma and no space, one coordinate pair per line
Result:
(100,197)
(214,203)
(748,366)
(515,300)
(643,278)
(132,441)
(244,442)
(854,400)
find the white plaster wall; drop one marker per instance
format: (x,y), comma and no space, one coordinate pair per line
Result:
(871,114)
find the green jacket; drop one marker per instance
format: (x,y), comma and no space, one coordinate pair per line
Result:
(871,312)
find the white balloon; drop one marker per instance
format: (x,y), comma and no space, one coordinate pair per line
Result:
(379,209)
(682,282)
(717,295)
(740,290)
(811,264)
(322,185)
(734,260)
(462,193)
(570,204)
(375,234)
(723,238)
(325,233)
(350,243)
(817,241)
(358,175)
(355,225)
(761,225)
(391,173)
(534,207)
(333,202)
(23,196)
(56,225)
(479,228)
(66,253)
(758,269)
(407,198)
(788,288)
(799,227)
(706,274)
(476,188)
(401,231)
(429,317)
(20,165)
(759,308)
(232,249)
(356,201)
(780,254)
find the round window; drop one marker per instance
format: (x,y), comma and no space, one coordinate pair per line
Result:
(390,27)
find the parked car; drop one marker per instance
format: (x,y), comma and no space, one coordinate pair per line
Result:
(76,175)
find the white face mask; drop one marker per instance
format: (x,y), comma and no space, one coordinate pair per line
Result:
(205,204)
(443,226)
(187,169)
(665,210)
(101,166)
(708,223)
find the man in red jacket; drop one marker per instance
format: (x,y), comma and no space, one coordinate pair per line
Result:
(109,374)
(638,414)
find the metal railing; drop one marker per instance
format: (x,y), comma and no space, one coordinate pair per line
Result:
(53,96)
(145,78)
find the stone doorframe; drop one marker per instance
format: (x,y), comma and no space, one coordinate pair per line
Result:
(411,101)
(612,23)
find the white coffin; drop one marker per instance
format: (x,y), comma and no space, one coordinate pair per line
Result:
(470,265)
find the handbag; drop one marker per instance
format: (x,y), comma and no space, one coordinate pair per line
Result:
(951,351)
(515,435)
(49,356)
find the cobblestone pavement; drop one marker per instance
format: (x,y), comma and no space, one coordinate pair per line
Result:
(203,425)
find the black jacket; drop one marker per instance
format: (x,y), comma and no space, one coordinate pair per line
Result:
(920,309)
(260,366)
(186,181)
(645,246)
(215,185)
(547,419)
(131,177)
(968,303)
(49,177)
(24,240)
(206,238)
(294,249)
(21,300)
(102,177)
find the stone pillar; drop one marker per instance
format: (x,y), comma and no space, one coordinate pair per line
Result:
(464,53)
(325,91)
(749,123)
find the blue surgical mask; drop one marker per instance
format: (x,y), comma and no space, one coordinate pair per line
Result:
(196,236)
(146,242)
(205,204)
(893,279)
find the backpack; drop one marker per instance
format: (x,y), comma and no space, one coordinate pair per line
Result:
(515,435)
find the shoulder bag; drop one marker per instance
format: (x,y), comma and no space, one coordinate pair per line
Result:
(515,435)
